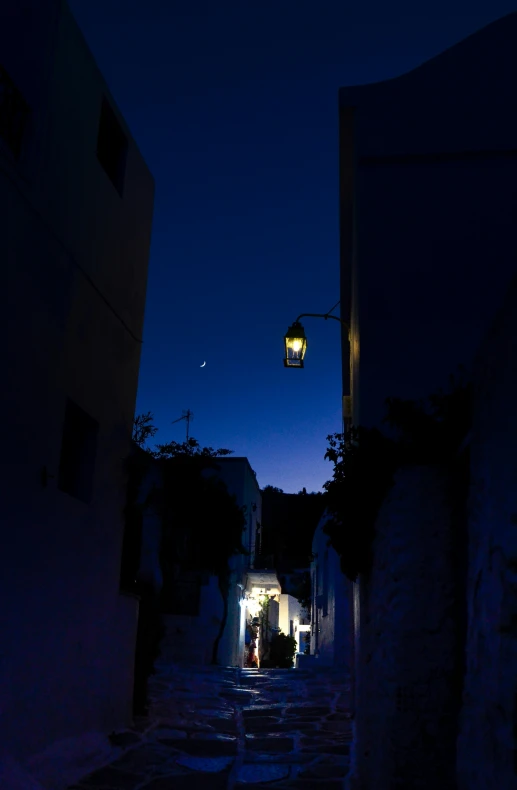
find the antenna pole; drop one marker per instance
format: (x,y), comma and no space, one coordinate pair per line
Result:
(188,417)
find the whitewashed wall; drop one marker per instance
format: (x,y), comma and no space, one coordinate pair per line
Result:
(331,618)
(487,744)
(406,714)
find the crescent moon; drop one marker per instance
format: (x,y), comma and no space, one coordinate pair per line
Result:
(203,365)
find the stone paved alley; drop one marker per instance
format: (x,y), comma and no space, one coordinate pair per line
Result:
(211,728)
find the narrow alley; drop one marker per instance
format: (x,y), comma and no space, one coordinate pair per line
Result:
(213,728)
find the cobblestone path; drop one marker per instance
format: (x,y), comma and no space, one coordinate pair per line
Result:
(223,729)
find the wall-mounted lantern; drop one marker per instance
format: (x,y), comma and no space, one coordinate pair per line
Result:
(295,346)
(295,341)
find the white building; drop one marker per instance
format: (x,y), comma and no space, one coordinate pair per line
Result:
(294,620)
(428,202)
(427,208)
(331,619)
(241,481)
(194,625)
(76,207)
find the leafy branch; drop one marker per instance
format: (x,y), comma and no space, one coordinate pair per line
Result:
(363,474)
(365,461)
(143,428)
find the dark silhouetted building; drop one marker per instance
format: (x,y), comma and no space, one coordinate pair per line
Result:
(77,205)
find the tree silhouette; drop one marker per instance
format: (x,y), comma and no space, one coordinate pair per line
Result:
(143,428)
(202,524)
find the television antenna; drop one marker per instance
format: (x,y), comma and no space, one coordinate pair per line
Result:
(187,416)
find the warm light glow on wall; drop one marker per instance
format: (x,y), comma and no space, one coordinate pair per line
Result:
(253,606)
(263,592)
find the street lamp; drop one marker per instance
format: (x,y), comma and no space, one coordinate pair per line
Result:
(295,340)
(295,346)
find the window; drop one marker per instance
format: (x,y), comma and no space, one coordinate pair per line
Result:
(14,113)
(112,147)
(78,450)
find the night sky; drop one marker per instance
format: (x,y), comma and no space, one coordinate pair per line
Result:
(234,107)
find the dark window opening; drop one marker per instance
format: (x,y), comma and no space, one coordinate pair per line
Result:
(78,450)
(14,114)
(112,147)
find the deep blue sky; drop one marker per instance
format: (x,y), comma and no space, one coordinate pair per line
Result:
(234,107)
